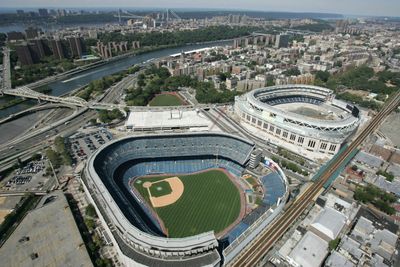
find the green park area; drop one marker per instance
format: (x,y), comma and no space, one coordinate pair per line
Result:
(166,100)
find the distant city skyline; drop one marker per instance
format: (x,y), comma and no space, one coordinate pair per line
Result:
(346,7)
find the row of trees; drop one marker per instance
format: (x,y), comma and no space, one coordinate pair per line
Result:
(98,87)
(61,148)
(361,78)
(289,155)
(154,81)
(48,66)
(388,175)
(346,96)
(60,155)
(213,33)
(86,223)
(149,84)
(376,196)
(317,27)
(107,116)
(290,166)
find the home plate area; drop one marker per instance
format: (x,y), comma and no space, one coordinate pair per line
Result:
(164,192)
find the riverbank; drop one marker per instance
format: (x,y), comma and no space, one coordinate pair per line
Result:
(11,103)
(140,51)
(78,81)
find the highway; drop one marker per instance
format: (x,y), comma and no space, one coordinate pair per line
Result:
(256,250)
(39,140)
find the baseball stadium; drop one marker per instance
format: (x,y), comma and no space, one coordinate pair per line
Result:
(303,115)
(182,199)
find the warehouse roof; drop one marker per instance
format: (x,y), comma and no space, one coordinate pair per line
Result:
(310,251)
(329,222)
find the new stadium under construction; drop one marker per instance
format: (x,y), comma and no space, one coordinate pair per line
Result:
(303,115)
(182,199)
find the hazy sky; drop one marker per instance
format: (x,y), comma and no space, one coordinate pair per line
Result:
(355,7)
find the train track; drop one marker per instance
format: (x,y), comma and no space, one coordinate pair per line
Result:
(254,252)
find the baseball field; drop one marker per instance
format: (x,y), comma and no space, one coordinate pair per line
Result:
(166,100)
(203,202)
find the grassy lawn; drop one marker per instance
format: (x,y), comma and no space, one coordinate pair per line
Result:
(160,189)
(252,181)
(210,201)
(166,100)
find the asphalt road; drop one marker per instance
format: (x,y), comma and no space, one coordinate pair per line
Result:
(41,140)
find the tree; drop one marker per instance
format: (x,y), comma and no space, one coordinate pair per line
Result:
(54,158)
(389,176)
(334,243)
(224,75)
(93,121)
(376,196)
(62,150)
(322,75)
(90,211)
(292,72)
(107,116)
(36,157)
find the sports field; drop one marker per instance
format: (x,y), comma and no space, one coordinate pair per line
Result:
(166,100)
(210,201)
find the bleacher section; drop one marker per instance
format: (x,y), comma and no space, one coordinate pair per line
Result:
(169,154)
(274,186)
(274,189)
(179,166)
(292,99)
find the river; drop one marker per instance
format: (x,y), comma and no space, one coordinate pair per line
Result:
(73,82)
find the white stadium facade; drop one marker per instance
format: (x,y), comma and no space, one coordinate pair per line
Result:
(303,115)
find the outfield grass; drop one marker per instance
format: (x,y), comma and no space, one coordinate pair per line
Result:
(166,100)
(210,201)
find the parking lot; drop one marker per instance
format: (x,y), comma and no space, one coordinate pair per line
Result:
(83,144)
(29,177)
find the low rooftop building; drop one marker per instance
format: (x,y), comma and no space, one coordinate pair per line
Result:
(368,159)
(328,224)
(47,236)
(309,252)
(167,120)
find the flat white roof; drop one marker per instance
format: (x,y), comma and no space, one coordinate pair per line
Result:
(167,119)
(310,251)
(330,222)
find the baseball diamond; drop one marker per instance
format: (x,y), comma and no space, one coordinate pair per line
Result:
(210,201)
